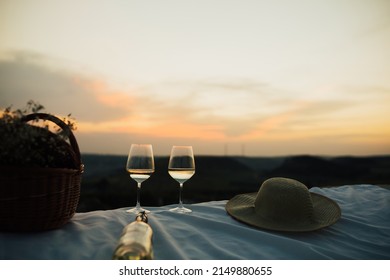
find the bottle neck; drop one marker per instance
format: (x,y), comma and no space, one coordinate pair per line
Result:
(142,217)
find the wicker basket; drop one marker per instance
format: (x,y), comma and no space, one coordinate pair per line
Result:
(36,199)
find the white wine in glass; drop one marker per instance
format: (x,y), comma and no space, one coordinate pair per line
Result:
(181,167)
(140,165)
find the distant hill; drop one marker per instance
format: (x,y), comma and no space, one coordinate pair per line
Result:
(322,172)
(106,185)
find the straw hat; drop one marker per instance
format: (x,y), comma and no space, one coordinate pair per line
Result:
(284,204)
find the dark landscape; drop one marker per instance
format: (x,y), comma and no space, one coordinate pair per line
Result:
(106,184)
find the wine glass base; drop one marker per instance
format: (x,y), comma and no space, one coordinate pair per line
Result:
(181,210)
(137,210)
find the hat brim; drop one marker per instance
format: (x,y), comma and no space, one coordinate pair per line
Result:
(326,212)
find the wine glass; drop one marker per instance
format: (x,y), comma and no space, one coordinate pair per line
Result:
(140,165)
(181,167)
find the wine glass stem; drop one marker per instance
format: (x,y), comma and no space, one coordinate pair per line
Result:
(180,196)
(138,206)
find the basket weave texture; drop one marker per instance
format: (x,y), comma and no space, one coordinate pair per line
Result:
(40,198)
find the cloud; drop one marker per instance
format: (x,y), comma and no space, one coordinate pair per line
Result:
(97,108)
(234,106)
(206,112)
(213,109)
(24,78)
(244,109)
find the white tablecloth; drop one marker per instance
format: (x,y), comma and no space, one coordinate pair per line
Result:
(363,232)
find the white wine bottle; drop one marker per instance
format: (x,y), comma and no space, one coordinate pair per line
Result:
(135,242)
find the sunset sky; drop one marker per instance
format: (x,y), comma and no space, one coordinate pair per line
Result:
(229,77)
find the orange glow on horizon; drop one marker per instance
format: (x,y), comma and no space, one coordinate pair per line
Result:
(146,117)
(163,129)
(106,96)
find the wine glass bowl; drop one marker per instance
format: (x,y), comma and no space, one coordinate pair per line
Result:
(140,165)
(181,167)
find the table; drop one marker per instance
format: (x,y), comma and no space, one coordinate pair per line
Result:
(209,233)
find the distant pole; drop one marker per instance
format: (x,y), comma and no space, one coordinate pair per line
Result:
(243,149)
(226,149)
